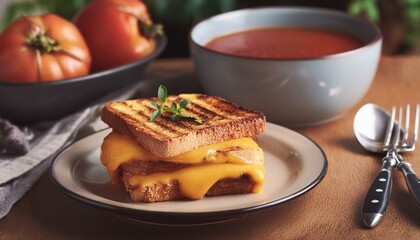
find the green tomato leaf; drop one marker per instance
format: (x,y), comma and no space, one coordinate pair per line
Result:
(411,2)
(355,8)
(372,11)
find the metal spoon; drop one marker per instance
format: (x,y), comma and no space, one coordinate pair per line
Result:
(371,126)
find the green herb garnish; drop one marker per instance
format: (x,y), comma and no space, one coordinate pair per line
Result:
(175,109)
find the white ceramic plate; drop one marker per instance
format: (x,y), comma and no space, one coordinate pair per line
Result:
(294,165)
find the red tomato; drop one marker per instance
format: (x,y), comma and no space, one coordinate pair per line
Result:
(42,48)
(116,31)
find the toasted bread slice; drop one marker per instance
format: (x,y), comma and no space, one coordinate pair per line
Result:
(221,121)
(158,192)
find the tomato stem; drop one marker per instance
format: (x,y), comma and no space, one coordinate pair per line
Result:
(150,30)
(145,25)
(42,42)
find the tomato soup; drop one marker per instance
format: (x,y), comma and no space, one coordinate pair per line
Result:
(284,43)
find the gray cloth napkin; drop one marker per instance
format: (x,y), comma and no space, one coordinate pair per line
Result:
(18,173)
(25,153)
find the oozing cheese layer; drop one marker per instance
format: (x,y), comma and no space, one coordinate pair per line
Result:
(196,181)
(229,159)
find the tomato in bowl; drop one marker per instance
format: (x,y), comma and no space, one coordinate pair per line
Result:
(48,76)
(28,103)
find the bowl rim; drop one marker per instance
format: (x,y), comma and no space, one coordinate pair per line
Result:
(161,44)
(374,41)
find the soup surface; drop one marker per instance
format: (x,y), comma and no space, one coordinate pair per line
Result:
(284,43)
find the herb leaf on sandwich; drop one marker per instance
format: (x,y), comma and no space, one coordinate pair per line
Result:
(175,109)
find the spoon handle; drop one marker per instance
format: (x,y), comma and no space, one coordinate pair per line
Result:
(377,197)
(413,182)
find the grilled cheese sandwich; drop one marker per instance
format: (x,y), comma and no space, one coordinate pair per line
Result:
(218,157)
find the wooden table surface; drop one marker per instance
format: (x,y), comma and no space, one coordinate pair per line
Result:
(330,211)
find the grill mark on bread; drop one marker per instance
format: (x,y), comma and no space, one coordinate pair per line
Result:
(202,105)
(142,113)
(149,106)
(164,122)
(201,111)
(175,126)
(182,126)
(223,108)
(230,109)
(131,118)
(193,109)
(136,115)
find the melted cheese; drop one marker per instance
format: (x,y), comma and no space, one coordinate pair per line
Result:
(229,159)
(196,181)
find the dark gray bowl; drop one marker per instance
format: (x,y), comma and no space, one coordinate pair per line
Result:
(30,103)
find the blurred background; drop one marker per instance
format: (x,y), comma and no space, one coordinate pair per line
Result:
(399,20)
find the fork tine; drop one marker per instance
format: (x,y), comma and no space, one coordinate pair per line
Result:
(390,128)
(397,139)
(407,124)
(416,125)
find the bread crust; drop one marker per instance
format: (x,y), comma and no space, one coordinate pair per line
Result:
(222,120)
(158,192)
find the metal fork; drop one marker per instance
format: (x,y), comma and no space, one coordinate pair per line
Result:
(395,141)
(404,145)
